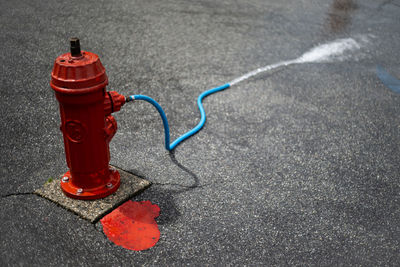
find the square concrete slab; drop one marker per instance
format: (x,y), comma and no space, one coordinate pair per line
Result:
(94,210)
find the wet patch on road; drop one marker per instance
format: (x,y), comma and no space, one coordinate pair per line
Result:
(388,80)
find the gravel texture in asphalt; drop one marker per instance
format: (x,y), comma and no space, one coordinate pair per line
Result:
(296,166)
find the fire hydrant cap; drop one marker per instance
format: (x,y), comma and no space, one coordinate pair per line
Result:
(83,72)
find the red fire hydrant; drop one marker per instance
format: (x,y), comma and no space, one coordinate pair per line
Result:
(79,81)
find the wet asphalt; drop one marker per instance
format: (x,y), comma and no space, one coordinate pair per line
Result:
(298,166)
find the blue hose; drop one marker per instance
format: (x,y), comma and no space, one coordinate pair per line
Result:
(198,127)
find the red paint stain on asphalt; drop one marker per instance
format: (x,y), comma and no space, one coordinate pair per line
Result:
(132,225)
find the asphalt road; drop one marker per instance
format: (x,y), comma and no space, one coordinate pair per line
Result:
(298,166)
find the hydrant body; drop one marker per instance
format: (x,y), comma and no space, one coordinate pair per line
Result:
(79,81)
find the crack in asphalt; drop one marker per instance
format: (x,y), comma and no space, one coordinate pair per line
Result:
(18,194)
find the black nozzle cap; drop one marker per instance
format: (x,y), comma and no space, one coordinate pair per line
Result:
(75,47)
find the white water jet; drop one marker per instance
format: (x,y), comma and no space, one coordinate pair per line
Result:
(323,53)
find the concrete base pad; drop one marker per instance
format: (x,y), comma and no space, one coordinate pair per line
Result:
(94,210)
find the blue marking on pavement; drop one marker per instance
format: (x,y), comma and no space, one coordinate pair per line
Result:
(388,80)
